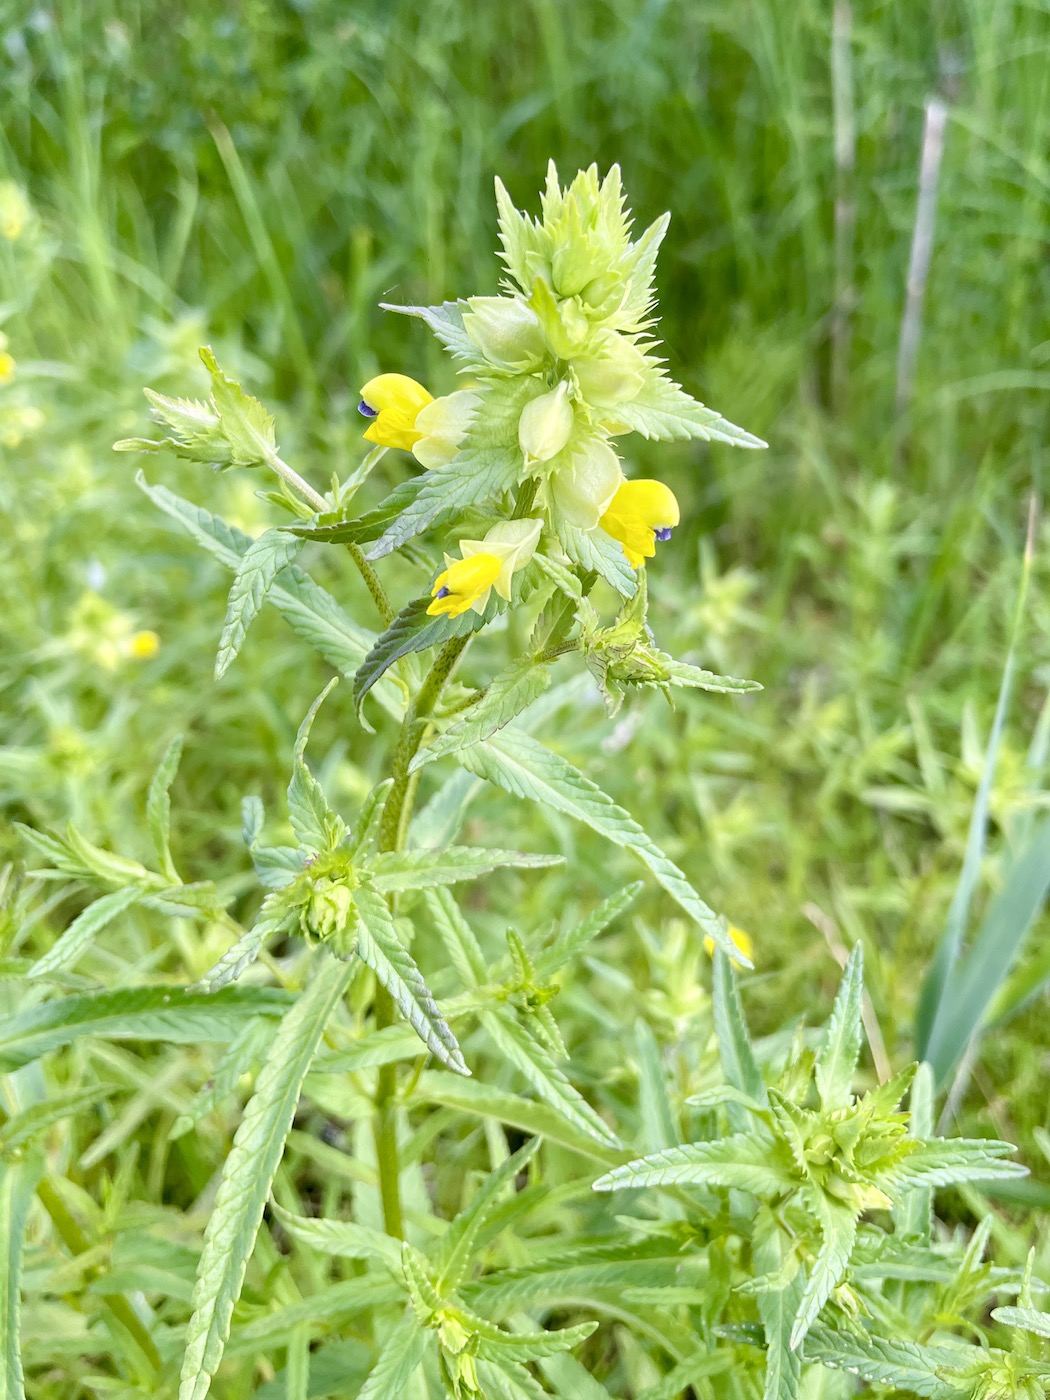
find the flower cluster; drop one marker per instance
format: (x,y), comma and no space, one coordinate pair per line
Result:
(560,366)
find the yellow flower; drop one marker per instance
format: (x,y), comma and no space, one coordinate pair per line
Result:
(7,367)
(641,513)
(486,564)
(393,402)
(14,211)
(739,937)
(143,645)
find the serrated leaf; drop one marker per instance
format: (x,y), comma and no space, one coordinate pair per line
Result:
(531,1346)
(838,1057)
(838,1225)
(271,918)
(596,552)
(158,807)
(530,1058)
(414,630)
(77,938)
(454,1253)
(469,1096)
(523,767)
(401,1353)
(344,1239)
(335,527)
(516,687)
(244,1053)
(457,936)
(734,1042)
(565,948)
(259,566)
(243,421)
(315,825)
(900,1364)
(379,947)
(38,1117)
(947,1161)
(138,1013)
(419,870)
(681,673)
(247,1176)
(1028,1319)
(310,611)
(17,1184)
(740,1161)
(446,321)
(663,410)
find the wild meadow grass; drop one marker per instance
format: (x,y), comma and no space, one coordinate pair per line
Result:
(259,179)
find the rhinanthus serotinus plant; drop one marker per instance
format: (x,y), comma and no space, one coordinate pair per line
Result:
(779,1239)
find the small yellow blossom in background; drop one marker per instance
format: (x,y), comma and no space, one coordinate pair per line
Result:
(486,564)
(143,645)
(15,211)
(7,362)
(641,513)
(742,940)
(17,421)
(393,402)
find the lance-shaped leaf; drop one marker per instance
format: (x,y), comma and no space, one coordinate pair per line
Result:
(420,870)
(158,808)
(778,1308)
(309,610)
(80,934)
(248,1175)
(838,1057)
(662,409)
(315,825)
(901,1364)
(401,1353)
(548,1081)
(734,1043)
(949,1161)
(838,1225)
(523,767)
(259,566)
(565,947)
(17,1184)
(272,917)
(681,673)
(336,528)
(457,1244)
(415,630)
(1028,1319)
(138,1013)
(458,937)
(446,321)
(344,1239)
(596,552)
(379,947)
(743,1161)
(516,687)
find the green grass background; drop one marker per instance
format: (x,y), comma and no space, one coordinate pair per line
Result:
(260,176)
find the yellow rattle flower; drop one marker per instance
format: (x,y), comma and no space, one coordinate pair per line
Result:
(641,513)
(741,938)
(393,402)
(486,564)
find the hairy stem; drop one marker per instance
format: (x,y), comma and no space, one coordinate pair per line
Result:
(392,826)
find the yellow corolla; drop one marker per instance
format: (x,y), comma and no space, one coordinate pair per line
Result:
(741,938)
(393,402)
(641,513)
(485,564)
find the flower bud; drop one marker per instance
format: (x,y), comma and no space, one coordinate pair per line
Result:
(507,332)
(545,425)
(582,491)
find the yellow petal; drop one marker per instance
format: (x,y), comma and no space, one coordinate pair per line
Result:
(396,400)
(634,515)
(466,583)
(739,937)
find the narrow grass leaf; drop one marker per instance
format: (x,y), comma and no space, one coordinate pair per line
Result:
(17,1184)
(523,767)
(379,947)
(247,1176)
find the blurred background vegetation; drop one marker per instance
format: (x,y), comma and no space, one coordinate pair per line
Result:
(259,176)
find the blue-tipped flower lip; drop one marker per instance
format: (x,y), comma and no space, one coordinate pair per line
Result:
(663,534)
(442,593)
(366,410)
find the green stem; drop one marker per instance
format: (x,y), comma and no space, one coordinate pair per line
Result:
(392,827)
(372,583)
